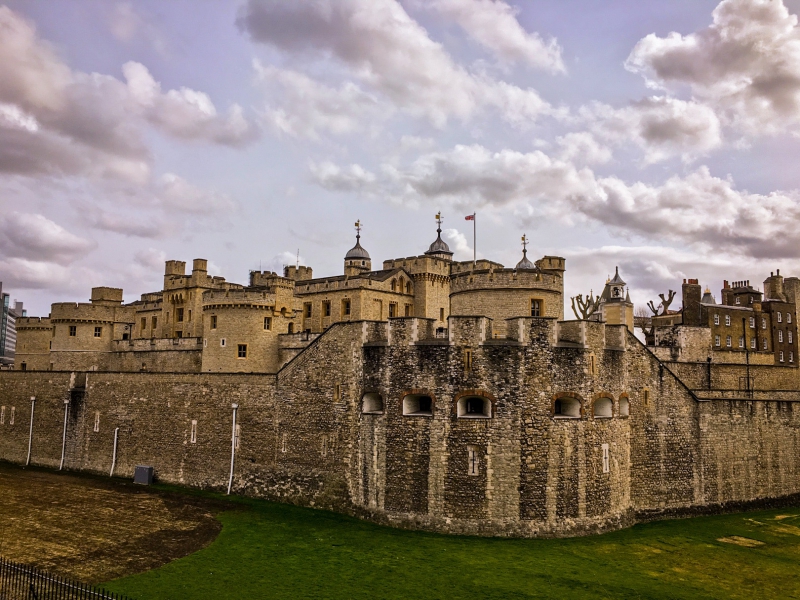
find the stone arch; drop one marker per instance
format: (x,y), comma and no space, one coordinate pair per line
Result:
(563,405)
(602,405)
(624,405)
(459,408)
(417,402)
(372,403)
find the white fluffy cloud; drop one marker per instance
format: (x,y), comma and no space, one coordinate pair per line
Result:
(389,52)
(697,209)
(341,179)
(746,64)
(662,127)
(34,237)
(494,25)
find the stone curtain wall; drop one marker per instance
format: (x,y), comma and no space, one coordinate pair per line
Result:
(304,438)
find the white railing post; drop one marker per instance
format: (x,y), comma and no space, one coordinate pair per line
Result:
(30,435)
(233,446)
(64,435)
(114,455)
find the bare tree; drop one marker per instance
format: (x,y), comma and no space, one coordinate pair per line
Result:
(664,306)
(585,308)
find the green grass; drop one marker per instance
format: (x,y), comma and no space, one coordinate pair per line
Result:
(269,550)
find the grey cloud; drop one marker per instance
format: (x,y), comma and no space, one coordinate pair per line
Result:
(390,52)
(33,237)
(746,64)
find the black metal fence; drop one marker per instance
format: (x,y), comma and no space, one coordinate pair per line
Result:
(21,582)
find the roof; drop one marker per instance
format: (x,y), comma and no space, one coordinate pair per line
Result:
(617,280)
(525,263)
(357,251)
(439,246)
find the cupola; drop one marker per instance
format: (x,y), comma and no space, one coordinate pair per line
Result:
(525,263)
(357,259)
(439,248)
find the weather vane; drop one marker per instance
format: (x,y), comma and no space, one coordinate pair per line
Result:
(439,218)
(524,243)
(358,228)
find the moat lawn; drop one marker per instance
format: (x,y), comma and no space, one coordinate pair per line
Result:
(268,550)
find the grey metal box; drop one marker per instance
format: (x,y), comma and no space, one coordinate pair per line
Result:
(143,475)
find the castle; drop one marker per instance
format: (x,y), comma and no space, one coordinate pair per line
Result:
(443,395)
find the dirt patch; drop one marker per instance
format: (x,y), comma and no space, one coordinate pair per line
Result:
(96,529)
(741,541)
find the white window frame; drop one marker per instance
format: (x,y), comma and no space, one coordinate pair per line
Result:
(728,320)
(791,359)
(752,322)
(716,319)
(741,341)
(606,459)
(780,317)
(2,415)
(728,342)
(717,341)
(780,356)
(789,336)
(763,322)
(13,410)
(788,317)
(753,344)
(780,335)
(765,344)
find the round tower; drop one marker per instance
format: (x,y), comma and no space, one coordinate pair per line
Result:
(357,260)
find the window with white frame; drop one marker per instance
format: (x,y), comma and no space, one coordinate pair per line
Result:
(738,300)
(741,342)
(728,341)
(716,341)
(788,317)
(789,336)
(716,319)
(791,357)
(763,322)
(780,356)
(193,436)
(780,335)
(753,344)
(765,343)
(606,459)
(2,415)
(727,320)
(13,410)
(752,322)
(780,317)
(473,460)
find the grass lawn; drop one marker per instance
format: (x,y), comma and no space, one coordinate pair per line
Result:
(268,550)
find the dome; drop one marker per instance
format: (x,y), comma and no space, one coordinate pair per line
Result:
(439,246)
(525,263)
(707,297)
(357,252)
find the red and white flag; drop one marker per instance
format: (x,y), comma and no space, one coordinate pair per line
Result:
(469,218)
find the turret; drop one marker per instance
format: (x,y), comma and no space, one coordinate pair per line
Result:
(357,260)
(439,249)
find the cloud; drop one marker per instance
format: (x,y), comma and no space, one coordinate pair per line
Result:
(494,25)
(582,147)
(277,262)
(662,127)
(698,209)
(341,179)
(150,259)
(746,64)
(306,107)
(458,244)
(176,194)
(389,52)
(34,237)
(126,24)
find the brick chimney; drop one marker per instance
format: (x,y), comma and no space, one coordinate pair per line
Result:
(692,293)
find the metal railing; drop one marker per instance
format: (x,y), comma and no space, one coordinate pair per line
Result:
(22,582)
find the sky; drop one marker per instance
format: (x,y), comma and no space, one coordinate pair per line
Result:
(660,137)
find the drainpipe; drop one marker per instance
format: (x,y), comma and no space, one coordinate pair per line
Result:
(114,456)
(30,435)
(64,435)
(235,407)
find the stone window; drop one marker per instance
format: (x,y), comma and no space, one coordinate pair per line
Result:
(73,330)
(567,408)
(728,342)
(753,344)
(193,435)
(179,315)
(154,322)
(738,300)
(763,322)
(144,323)
(326,308)
(408,288)
(441,314)
(346,307)
(741,342)
(190,315)
(765,343)
(752,322)
(780,356)
(625,405)
(780,317)
(98,332)
(283,442)
(96,421)
(716,340)
(788,317)
(337,391)
(467,360)
(592,364)
(222,342)
(606,461)
(646,397)
(267,323)
(307,310)
(394,284)
(474,407)
(417,405)
(408,310)
(791,359)
(473,461)
(728,320)
(716,319)
(13,410)
(213,321)
(603,408)
(372,404)
(290,329)
(178,334)
(242,351)
(324,445)
(789,336)
(536,308)
(780,335)
(392,309)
